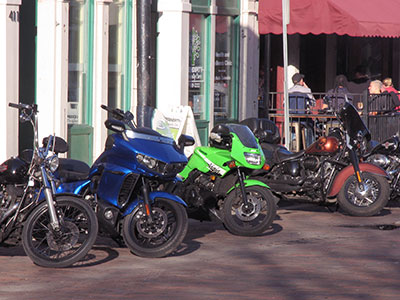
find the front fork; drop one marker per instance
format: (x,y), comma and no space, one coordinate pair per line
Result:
(354,161)
(146,199)
(242,188)
(48,190)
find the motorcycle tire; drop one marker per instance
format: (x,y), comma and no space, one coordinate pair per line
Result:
(159,238)
(371,203)
(251,221)
(58,249)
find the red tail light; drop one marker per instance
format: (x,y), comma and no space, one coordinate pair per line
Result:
(3,168)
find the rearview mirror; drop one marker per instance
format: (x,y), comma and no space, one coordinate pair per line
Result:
(185,140)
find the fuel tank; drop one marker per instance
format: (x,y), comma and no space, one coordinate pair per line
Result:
(13,170)
(324,146)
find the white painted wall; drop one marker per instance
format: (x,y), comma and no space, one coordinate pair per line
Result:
(52,67)
(9,72)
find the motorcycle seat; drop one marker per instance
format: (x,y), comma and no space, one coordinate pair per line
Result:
(281,154)
(70,170)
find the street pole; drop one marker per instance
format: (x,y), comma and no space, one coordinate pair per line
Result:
(143,66)
(285,22)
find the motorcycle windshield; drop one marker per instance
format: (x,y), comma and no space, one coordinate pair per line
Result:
(352,122)
(244,134)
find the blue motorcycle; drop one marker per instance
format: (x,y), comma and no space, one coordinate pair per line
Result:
(124,186)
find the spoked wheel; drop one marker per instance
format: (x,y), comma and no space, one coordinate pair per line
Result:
(253,218)
(366,199)
(60,248)
(160,237)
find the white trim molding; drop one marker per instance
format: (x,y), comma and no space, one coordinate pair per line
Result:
(9,77)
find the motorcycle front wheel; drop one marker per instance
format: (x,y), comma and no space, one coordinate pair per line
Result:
(162,235)
(367,199)
(60,248)
(253,219)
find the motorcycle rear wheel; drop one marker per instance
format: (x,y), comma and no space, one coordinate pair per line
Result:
(253,220)
(161,237)
(58,249)
(364,203)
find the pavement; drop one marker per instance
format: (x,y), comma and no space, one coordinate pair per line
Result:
(309,253)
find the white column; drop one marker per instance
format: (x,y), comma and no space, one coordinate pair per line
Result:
(52,67)
(134,60)
(249,60)
(173,53)
(213,13)
(9,72)
(100,74)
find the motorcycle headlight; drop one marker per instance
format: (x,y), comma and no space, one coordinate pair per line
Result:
(53,163)
(253,158)
(148,161)
(379,159)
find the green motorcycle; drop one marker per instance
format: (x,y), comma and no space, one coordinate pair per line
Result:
(216,182)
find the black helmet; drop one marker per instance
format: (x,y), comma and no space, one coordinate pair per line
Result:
(220,137)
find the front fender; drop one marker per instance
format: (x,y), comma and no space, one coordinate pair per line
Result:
(249,182)
(342,176)
(153,196)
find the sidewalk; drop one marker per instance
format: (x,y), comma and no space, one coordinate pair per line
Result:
(310,253)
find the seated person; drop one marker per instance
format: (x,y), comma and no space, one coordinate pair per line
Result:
(380,101)
(300,100)
(336,97)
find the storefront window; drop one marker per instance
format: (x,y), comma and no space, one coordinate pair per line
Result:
(224,93)
(116,71)
(77,63)
(196,65)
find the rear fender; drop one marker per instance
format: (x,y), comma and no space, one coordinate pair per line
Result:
(153,196)
(249,182)
(342,176)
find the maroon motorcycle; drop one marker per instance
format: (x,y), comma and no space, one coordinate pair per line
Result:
(328,171)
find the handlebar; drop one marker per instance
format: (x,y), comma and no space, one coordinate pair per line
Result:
(116,112)
(23,106)
(125,117)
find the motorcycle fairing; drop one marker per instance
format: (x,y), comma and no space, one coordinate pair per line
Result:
(111,181)
(123,152)
(153,196)
(76,187)
(206,159)
(349,171)
(161,148)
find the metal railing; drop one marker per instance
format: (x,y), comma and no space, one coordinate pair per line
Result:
(311,118)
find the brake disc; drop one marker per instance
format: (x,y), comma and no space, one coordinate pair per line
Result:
(252,210)
(155,228)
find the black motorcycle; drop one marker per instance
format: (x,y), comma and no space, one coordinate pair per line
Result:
(387,156)
(56,231)
(328,171)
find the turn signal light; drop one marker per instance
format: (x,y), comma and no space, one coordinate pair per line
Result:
(266,167)
(232,164)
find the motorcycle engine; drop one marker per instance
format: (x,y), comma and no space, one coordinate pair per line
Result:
(311,163)
(8,200)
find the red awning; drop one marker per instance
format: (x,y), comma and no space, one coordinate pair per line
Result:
(351,17)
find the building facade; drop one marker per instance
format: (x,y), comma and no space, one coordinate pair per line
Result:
(204,54)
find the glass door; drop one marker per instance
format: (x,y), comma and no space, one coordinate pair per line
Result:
(80,80)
